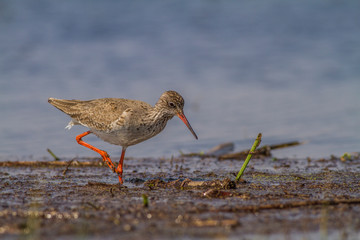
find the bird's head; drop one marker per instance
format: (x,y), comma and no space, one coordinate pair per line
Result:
(171,104)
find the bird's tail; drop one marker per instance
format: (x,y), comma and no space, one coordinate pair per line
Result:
(67,106)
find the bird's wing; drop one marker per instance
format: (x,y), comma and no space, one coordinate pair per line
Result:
(99,114)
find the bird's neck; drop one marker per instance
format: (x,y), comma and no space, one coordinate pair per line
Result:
(157,114)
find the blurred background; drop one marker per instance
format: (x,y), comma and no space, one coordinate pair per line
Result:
(287,69)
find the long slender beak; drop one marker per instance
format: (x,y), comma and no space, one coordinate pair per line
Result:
(183,118)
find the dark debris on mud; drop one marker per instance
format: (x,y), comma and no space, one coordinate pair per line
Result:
(188,197)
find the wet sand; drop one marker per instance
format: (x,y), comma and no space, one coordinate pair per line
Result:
(188,198)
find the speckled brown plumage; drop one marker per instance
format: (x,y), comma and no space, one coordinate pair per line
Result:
(120,121)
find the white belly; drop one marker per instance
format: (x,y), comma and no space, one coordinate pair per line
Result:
(126,137)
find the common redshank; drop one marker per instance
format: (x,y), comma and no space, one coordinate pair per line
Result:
(121,121)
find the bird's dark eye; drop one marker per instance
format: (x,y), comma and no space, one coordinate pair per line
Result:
(171,104)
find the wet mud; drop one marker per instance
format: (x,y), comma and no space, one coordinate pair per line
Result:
(177,198)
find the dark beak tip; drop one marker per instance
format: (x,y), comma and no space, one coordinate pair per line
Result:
(192,132)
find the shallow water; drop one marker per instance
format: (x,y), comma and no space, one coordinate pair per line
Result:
(288,70)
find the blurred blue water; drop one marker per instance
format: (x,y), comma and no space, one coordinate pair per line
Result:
(287,69)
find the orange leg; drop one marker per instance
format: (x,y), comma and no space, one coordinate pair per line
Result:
(104,155)
(119,169)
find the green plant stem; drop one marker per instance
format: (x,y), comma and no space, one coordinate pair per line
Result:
(247,160)
(145,200)
(53,155)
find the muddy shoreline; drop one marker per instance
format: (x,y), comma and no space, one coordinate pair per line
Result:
(276,199)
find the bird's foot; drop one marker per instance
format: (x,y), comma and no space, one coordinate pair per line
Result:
(120,178)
